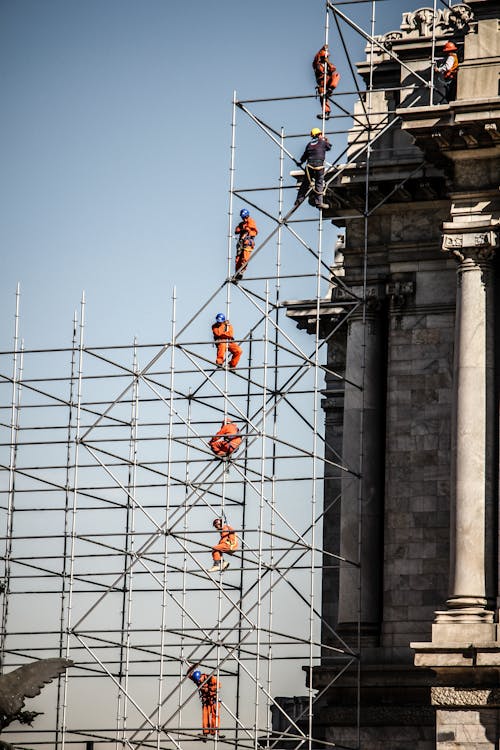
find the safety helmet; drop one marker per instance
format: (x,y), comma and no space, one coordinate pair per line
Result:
(220,318)
(315,132)
(196,676)
(244,213)
(217,522)
(449,47)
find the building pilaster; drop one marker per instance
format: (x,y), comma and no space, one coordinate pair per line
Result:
(362,491)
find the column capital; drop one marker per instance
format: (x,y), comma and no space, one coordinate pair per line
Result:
(477,244)
(374,299)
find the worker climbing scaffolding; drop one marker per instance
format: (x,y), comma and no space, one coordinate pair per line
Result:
(228,544)
(314,156)
(327,80)
(226,441)
(224,339)
(246,231)
(208,688)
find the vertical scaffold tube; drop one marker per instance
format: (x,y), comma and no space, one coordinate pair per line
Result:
(71,574)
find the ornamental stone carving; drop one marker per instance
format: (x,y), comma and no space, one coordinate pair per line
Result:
(479,245)
(422,19)
(459,17)
(399,292)
(450,697)
(422,22)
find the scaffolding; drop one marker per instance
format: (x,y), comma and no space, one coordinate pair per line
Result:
(109,488)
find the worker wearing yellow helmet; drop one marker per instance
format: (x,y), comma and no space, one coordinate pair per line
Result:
(314,156)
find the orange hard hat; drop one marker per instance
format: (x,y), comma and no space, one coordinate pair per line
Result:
(449,47)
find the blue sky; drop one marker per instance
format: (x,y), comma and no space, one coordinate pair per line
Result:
(115,150)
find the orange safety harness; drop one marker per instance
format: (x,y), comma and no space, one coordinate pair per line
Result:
(452,72)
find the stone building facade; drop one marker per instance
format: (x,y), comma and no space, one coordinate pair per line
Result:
(417,413)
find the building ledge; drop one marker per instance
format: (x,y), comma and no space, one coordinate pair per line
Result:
(471,125)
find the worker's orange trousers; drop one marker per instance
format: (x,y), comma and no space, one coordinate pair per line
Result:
(242,259)
(222,547)
(234,348)
(211,718)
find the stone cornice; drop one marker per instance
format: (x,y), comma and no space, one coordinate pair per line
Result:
(458,656)
(463,126)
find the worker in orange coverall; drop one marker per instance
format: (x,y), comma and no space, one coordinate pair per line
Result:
(224,338)
(246,231)
(228,544)
(226,440)
(327,79)
(208,688)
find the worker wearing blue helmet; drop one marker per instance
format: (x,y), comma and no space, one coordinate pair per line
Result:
(208,687)
(246,231)
(224,339)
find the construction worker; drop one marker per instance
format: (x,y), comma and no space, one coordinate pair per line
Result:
(447,69)
(208,689)
(226,441)
(327,79)
(228,543)
(314,155)
(224,339)
(246,231)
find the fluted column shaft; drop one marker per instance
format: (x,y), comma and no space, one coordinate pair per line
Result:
(469,612)
(472,447)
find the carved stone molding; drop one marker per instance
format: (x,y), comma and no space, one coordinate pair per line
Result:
(400,292)
(478,246)
(451,697)
(459,17)
(423,22)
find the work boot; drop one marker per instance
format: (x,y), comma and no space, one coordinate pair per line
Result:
(225,565)
(215,568)
(322,205)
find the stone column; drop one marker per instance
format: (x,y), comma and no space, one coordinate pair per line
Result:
(469,606)
(362,499)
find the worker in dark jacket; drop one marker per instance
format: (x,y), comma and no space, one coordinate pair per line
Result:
(314,156)
(447,68)
(208,688)
(224,339)
(246,231)
(327,79)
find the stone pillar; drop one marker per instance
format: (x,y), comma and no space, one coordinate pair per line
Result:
(469,613)
(362,452)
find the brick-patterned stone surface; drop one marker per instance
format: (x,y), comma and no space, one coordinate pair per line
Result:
(386,738)
(467,730)
(418,434)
